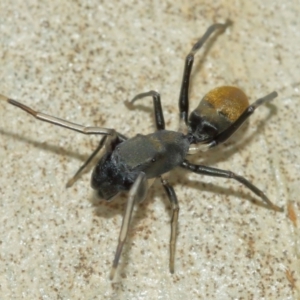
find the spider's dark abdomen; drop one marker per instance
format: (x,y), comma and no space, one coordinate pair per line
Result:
(218,109)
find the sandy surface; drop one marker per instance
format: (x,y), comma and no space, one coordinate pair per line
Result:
(81,62)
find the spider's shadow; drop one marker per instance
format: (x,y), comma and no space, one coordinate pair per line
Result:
(44,146)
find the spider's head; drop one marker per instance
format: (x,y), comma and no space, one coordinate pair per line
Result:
(104,178)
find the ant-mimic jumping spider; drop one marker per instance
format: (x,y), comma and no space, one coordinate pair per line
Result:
(130,164)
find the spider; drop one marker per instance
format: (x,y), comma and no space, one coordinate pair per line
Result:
(132,164)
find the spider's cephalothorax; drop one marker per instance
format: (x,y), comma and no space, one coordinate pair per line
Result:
(153,154)
(128,164)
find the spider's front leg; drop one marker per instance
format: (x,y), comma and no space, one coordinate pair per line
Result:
(57,121)
(137,194)
(73,126)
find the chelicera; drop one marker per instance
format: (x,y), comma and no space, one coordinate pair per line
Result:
(131,164)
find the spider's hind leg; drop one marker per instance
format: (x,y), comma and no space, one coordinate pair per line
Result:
(209,171)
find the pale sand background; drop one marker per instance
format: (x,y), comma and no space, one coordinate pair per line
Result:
(80,62)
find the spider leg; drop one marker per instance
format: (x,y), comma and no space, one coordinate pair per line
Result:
(174,221)
(209,171)
(78,173)
(137,194)
(184,91)
(58,121)
(119,138)
(159,116)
